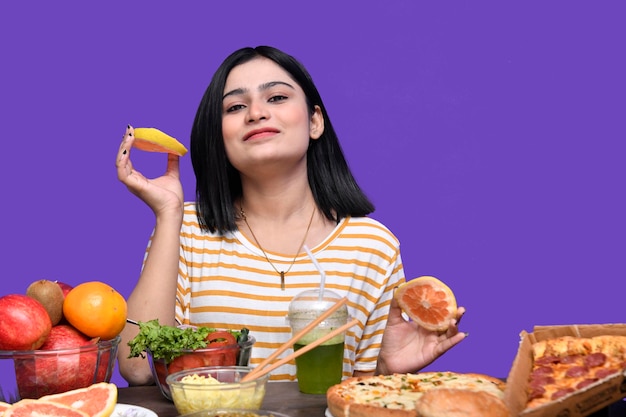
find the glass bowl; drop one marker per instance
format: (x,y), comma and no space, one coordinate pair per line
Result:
(35,373)
(228,355)
(236,413)
(216,387)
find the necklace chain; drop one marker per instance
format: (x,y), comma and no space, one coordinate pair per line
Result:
(281,273)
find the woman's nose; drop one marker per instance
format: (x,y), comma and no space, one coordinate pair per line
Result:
(257,111)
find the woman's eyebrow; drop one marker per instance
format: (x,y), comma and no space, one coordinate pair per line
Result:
(271,84)
(262,87)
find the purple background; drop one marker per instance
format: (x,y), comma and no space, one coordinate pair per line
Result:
(490,137)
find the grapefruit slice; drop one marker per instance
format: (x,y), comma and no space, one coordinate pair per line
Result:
(97,400)
(30,408)
(3,407)
(428,302)
(153,140)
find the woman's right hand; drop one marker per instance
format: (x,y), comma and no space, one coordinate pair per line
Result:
(163,194)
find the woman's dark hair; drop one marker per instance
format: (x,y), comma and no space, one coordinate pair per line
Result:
(218,183)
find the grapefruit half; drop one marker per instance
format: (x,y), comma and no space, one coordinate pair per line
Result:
(97,400)
(428,302)
(153,140)
(30,408)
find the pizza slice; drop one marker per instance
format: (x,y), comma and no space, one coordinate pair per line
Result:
(404,395)
(565,365)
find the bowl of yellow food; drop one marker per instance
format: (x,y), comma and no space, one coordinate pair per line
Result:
(236,413)
(216,387)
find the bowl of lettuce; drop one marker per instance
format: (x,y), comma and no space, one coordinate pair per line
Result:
(171,349)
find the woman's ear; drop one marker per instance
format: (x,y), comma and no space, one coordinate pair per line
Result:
(317,123)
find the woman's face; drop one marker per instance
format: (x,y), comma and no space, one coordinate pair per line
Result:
(265,120)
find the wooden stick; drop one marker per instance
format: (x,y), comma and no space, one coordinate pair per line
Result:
(298,336)
(300,351)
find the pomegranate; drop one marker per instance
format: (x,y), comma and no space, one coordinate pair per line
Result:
(64,336)
(65,287)
(67,360)
(25,323)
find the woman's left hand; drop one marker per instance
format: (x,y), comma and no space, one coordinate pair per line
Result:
(407,347)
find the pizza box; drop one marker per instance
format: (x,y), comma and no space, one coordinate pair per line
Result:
(580,404)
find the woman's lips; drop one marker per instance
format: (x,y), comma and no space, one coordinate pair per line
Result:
(260,133)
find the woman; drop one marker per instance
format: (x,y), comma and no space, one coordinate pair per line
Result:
(270,179)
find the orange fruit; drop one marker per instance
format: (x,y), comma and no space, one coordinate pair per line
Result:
(96,309)
(153,140)
(97,400)
(30,408)
(428,302)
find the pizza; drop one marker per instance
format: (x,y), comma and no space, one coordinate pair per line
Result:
(426,394)
(564,365)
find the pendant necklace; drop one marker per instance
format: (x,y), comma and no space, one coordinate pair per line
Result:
(281,273)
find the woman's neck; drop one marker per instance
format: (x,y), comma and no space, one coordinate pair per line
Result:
(277,201)
(277,208)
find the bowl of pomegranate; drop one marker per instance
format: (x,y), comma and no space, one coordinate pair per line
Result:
(66,360)
(171,349)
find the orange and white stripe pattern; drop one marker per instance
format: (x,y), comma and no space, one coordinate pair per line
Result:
(226,282)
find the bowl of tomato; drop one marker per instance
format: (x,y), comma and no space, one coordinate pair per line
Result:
(173,349)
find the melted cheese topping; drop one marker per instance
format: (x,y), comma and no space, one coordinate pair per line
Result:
(401,391)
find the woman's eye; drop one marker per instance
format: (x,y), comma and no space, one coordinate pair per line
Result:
(234,107)
(276,98)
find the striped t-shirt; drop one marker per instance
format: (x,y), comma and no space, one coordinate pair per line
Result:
(225,281)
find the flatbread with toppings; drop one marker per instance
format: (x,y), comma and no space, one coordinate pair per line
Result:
(405,395)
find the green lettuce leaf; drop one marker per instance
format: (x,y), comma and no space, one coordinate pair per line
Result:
(168,342)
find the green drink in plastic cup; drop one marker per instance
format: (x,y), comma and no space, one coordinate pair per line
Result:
(321,367)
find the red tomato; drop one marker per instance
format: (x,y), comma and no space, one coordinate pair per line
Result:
(223,349)
(161,371)
(187,361)
(221,338)
(215,359)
